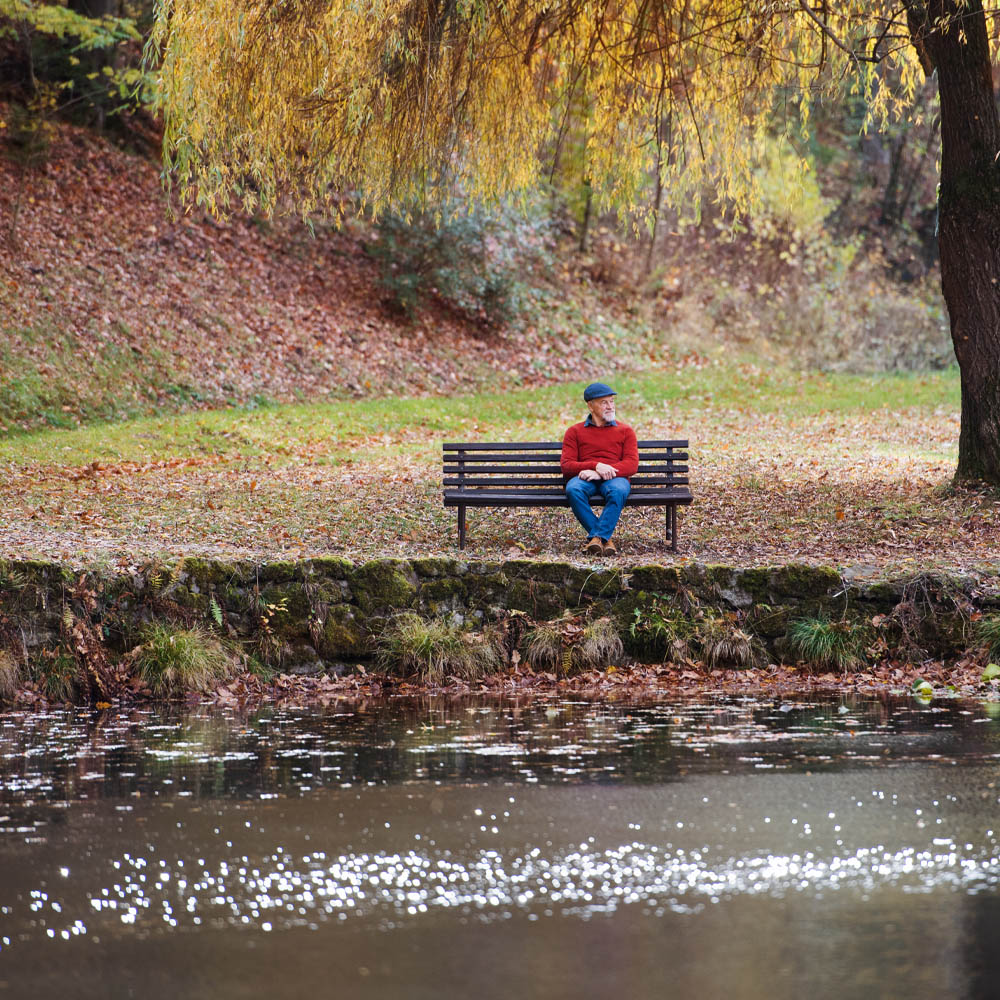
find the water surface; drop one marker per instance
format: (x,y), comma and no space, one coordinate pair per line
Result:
(442,848)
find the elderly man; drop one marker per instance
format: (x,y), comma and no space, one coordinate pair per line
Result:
(599,455)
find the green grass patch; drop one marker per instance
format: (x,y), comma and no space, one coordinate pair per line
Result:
(334,431)
(49,381)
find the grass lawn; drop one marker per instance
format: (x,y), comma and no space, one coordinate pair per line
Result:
(842,469)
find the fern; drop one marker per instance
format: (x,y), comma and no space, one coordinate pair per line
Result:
(567,659)
(215,611)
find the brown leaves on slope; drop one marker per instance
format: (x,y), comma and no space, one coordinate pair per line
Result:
(197,312)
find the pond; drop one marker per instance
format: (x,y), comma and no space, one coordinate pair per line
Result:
(445,848)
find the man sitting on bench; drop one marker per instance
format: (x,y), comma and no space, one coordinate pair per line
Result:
(599,455)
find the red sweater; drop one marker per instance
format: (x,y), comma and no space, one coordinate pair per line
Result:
(583,447)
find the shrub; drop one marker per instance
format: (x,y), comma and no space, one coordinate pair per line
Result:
(180,659)
(839,645)
(471,261)
(436,648)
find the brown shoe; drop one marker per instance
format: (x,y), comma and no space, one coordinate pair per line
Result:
(609,548)
(594,547)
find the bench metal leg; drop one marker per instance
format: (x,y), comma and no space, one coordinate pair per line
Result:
(666,511)
(461,527)
(673,527)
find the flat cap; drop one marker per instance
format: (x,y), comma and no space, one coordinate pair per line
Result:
(597,390)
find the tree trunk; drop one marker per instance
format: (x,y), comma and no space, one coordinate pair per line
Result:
(97,59)
(969,221)
(891,215)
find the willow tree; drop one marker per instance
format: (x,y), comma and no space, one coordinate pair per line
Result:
(309,98)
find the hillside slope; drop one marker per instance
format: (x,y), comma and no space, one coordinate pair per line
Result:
(110,307)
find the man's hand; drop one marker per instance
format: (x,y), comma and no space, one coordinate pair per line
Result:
(606,471)
(589,476)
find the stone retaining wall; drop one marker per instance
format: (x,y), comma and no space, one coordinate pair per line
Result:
(323,613)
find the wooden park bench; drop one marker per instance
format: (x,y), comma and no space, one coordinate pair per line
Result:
(528,475)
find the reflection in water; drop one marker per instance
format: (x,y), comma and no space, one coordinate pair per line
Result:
(412,820)
(70,755)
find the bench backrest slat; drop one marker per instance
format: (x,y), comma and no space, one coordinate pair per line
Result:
(533,466)
(555,446)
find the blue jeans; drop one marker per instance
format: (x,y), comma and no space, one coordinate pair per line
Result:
(579,492)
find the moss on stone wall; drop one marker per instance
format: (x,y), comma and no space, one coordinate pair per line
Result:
(344,634)
(384,585)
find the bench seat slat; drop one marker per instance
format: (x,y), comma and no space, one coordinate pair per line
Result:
(505,446)
(503,456)
(507,470)
(503,464)
(679,489)
(473,463)
(548,499)
(520,482)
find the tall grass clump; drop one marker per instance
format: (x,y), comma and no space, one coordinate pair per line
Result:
(987,633)
(543,647)
(436,648)
(171,658)
(662,631)
(10,675)
(839,645)
(600,646)
(724,644)
(57,674)
(565,646)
